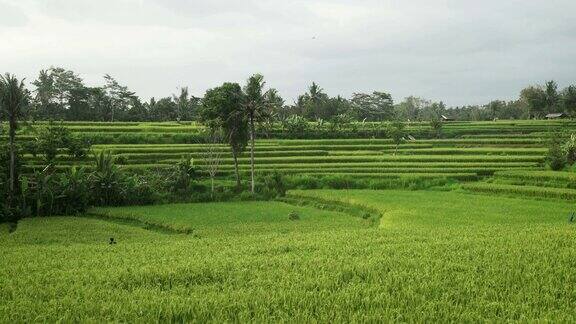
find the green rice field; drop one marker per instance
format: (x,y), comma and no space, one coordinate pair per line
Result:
(430,256)
(470,227)
(467,148)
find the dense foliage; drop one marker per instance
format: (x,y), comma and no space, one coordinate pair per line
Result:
(556,157)
(60,94)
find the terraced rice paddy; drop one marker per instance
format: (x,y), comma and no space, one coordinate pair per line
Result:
(469,149)
(535,184)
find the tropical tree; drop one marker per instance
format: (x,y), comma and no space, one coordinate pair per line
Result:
(313,102)
(14,99)
(212,156)
(54,89)
(397,133)
(436,126)
(556,157)
(222,109)
(535,99)
(45,94)
(185,104)
(495,107)
(569,99)
(552,97)
(254,106)
(164,109)
(411,108)
(377,106)
(274,103)
(121,99)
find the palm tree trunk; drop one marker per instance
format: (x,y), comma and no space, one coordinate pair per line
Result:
(212,187)
(12,144)
(252,152)
(236,171)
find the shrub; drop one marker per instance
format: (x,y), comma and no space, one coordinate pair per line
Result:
(396,133)
(136,190)
(556,157)
(338,182)
(5,213)
(113,186)
(121,159)
(295,125)
(293,215)
(77,147)
(54,138)
(8,213)
(570,149)
(106,181)
(436,128)
(304,182)
(246,196)
(49,193)
(182,175)
(272,185)
(74,189)
(340,122)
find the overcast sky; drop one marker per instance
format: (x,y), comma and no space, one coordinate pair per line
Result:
(460,51)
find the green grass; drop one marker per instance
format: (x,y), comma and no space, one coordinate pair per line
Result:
(433,257)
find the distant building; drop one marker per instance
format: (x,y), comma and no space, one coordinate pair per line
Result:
(444,118)
(556,116)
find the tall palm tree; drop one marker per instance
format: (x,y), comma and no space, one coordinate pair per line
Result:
(182,103)
(255,109)
(315,93)
(13,101)
(315,97)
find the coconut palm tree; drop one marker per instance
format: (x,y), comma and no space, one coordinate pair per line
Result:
(255,109)
(184,103)
(14,99)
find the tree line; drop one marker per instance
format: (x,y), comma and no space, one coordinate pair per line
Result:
(60,94)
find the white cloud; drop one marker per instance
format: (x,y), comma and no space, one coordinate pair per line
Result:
(457,51)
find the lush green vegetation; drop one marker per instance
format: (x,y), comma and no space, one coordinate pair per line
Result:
(149,172)
(434,256)
(61,94)
(477,223)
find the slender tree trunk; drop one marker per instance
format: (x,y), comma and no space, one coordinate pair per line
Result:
(252,152)
(236,171)
(212,187)
(13,176)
